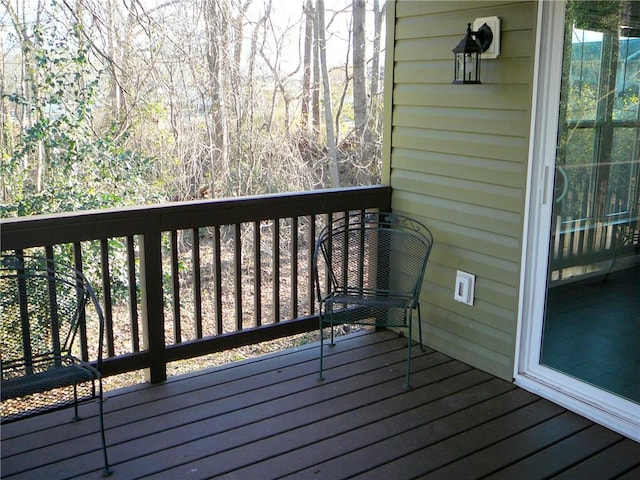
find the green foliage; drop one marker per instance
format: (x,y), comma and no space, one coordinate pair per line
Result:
(598,15)
(60,162)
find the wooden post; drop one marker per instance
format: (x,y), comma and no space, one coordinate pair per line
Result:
(152,305)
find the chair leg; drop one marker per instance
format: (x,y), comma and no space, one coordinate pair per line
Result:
(320,377)
(407,383)
(76,415)
(107,471)
(420,328)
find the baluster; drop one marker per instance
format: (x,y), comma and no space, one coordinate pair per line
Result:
(276,269)
(257,275)
(217,278)
(82,322)
(106,293)
(237,243)
(294,267)
(311,266)
(175,282)
(133,294)
(197,283)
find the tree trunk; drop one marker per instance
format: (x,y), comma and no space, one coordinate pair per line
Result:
(306,79)
(28,84)
(359,84)
(113,49)
(236,77)
(378,16)
(345,89)
(315,92)
(215,17)
(334,178)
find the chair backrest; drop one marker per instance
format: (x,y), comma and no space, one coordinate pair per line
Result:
(373,254)
(42,303)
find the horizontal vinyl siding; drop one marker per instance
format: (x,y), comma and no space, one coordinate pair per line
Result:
(486,122)
(442,71)
(458,161)
(499,203)
(488,171)
(490,97)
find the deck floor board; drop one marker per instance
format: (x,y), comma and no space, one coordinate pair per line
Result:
(269,417)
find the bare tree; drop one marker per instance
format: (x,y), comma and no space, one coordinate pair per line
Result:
(334,177)
(30,110)
(359,83)
(346,87)
(306,79)
(374,89)
(315,92)
(217,23)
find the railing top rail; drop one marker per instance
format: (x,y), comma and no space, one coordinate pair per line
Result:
(39,230)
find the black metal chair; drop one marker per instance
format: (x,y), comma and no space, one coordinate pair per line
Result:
(373,265)
(45,354)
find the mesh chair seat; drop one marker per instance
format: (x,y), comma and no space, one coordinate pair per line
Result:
(370,298)
(18,385)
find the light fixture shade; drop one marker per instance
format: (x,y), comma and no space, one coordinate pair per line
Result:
(467,59)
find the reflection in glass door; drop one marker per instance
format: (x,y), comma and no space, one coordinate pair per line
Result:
(592,321)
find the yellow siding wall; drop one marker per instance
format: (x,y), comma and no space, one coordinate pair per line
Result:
(456,158)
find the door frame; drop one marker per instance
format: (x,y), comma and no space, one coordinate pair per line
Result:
(602,407)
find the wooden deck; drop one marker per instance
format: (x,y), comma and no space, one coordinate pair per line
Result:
(269,418)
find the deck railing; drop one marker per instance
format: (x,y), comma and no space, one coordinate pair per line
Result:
(585,241)
(182,280)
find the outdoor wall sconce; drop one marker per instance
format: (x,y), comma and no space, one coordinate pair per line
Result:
(467,54)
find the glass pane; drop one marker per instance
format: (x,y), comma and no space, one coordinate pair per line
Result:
(627,84)
(622,190)
(592,321)
(586,56)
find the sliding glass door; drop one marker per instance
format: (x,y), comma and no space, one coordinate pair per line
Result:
(592,319)
(581,325)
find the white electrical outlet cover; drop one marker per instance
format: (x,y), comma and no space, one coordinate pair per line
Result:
(464,287)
